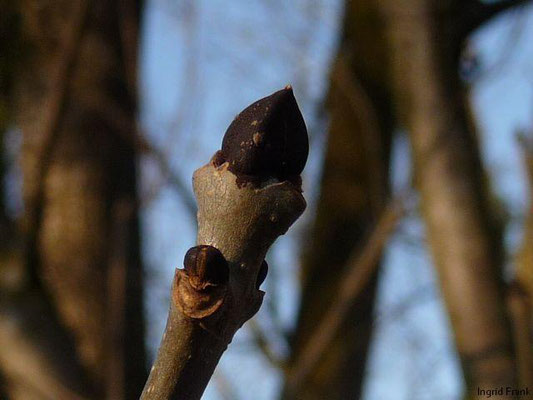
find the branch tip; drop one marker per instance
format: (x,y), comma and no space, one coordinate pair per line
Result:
(268,139)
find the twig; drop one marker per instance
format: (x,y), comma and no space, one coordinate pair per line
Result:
(243,206)
(361,266)
(417,297)
(224,386)
(132,134)
(262,343)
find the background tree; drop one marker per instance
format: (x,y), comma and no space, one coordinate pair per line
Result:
(72,315)
(354,191)
(412,58)
(71,318)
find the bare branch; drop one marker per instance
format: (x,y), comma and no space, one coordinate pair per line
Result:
(262,343)
(360,267)
(248,195)
(133,135)
(224,386)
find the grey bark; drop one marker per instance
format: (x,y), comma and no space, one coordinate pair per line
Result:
(242,222)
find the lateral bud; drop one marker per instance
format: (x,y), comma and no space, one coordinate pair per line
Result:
(206,266)
(200,288)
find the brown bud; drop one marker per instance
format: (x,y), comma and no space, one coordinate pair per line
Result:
(268,139)
(206,264)
(262,274)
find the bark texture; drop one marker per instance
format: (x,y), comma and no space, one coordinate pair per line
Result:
(241,222)
(354,190)
(239,217)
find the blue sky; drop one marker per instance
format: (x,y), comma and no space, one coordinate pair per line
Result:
(204,61)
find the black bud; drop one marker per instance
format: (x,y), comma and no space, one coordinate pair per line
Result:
(206,264)
(262,274)
(268,139)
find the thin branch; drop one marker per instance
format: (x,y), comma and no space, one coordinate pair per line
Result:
(361,266)
(128,12)
(262,343)
(224,386)
(132,134)
(248,195)
(173,179)
(419,296)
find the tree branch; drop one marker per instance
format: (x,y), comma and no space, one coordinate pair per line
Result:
(133,135)
(361,266)
(262,343)
(248,195)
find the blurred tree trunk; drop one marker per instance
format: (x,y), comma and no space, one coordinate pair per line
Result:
(80,254)
(464,237)
(354,189)
(525,257)
(424,39)
(520,295)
